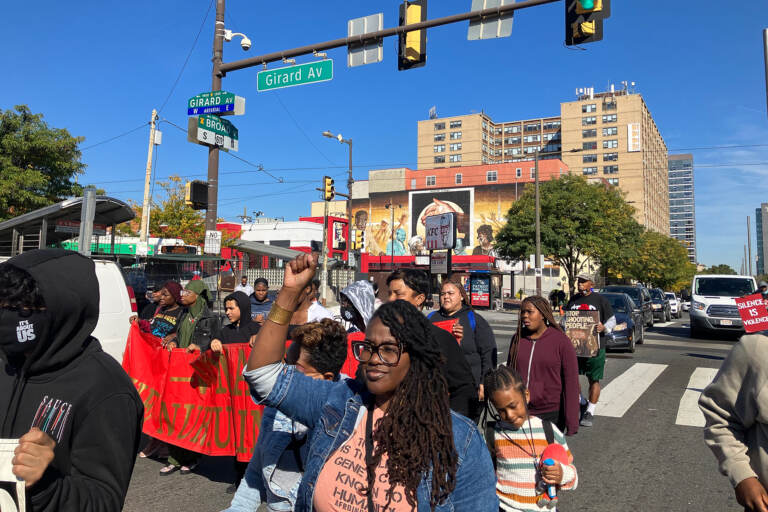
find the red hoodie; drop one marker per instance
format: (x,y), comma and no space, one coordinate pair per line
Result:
(554,375)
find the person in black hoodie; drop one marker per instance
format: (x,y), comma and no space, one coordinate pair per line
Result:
(476,336)
(75,411)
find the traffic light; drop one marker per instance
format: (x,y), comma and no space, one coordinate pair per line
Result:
(360,239)
(412,49)
(196,194)
(584,20)
(329,191)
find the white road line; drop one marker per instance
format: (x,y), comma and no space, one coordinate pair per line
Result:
(689,413)
(623,391)
(687,344)
(504,332)
(663,324)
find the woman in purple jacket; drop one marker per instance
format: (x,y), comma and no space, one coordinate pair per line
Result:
(545,359)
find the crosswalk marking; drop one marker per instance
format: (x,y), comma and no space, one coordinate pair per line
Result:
(669,342)
(502,333)
(688,413)
(623,391)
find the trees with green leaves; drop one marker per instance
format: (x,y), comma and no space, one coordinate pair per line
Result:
(661,261)
(719,269)
(579,221)
(39,165)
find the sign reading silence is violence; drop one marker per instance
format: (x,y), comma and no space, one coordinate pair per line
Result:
(753,312)
(196,401)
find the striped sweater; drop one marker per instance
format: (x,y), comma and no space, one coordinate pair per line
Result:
(516,471)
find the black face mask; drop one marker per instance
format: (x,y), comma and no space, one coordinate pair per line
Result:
(348,314)
(22,329)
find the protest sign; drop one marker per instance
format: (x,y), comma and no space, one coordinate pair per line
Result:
(581,329)
(196,401)
(447,325)
(9,483)
(753,312)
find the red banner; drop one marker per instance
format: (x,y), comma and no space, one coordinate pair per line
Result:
(196,401)
(753,312)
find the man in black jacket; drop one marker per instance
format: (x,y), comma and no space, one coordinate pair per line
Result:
(413,286)
(85,414)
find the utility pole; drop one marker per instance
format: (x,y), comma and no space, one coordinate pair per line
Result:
(749,245)
(765,60)
(537,270)
(744,266)
(324,272)
(213,151)
(144,233)
(350,182)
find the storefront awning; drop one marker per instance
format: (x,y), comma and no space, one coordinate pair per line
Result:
(261,249)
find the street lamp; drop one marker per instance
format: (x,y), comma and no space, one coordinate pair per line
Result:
(391,207)
(538,269)
(350,182)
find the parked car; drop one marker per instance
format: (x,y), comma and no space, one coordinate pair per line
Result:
(629,328)
(685,305)
(674,305)
(641,298)
(713,307)
(117,303)
(661,308)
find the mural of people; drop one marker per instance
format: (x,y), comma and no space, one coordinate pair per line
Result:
(361,219)
(416,245)
(484,241)
(396,247)
(429,203)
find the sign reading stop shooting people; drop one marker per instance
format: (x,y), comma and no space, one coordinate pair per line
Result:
(753,312)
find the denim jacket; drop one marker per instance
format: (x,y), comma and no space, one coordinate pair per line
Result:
(261,482)
(331,410)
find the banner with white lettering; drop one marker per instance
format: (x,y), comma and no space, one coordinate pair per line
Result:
(753,312)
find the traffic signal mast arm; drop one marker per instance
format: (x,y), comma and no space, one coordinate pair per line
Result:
(372,37)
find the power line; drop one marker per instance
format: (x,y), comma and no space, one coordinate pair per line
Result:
(115,137)
(184,66)
(302,129)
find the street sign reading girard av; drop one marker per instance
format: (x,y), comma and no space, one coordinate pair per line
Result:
(312,72)
(212,131)
(222,103)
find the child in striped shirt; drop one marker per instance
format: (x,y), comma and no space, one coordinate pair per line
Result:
(518,442)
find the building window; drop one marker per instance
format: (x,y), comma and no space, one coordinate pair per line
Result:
(610,157)
(533,172)
(589,108)
(439,137)
(439,126)
(455,124)
(610,169)
(456,146)
(517,151)
(431,180)
(438,148)
(589,145)
(491,176)
(613,181)
(455,135)
(485,125)
(588,159)
(519,172)
(532,149)
(511,129)
(589,170)
(439,159)
(413,182)
(458,178)
(532,138)
(454,158)
(610,144)
(610,131)
(611,118)
(609,105)
(533,127)
(586,121)
(589,133)
(552,125)
(512,140)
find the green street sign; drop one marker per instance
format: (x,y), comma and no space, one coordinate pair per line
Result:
(212,130)
(222,103)
(309,73)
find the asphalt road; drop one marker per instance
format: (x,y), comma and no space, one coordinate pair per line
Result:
(645,451)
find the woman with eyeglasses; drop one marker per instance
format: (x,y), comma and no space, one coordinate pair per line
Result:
(388,442)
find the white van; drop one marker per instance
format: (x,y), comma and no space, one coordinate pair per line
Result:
(713,307)
(116,305)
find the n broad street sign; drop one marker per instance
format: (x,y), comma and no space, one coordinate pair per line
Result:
(222,103)
(309,73)
(212,130)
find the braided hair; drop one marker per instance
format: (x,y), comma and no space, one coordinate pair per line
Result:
(416,432)
(500,378)
(542,305)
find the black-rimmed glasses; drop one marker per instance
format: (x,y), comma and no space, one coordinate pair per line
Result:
(389,353)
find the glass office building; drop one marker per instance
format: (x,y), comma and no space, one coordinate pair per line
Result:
(682,209)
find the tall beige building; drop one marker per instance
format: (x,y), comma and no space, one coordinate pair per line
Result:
(616,138)
(613,134)
(475,139)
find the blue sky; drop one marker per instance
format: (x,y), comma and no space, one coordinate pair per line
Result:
(99,70)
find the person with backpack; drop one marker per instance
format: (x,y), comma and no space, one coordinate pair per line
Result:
(518,440)
(471,330)
(544,357)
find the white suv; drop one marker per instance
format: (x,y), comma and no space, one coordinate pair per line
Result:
(713,307)
(674,305)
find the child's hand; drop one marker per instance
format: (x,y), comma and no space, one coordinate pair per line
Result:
(552,474)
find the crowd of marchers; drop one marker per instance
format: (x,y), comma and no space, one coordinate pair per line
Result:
(383,407)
